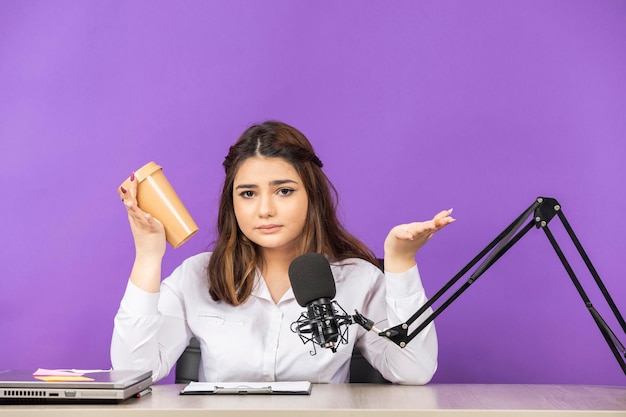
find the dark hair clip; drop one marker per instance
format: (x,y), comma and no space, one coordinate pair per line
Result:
(317,161)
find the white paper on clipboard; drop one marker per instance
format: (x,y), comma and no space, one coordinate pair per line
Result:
(281,387)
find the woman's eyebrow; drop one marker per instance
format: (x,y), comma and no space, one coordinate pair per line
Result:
(272,183)
(246,186)
(281,182)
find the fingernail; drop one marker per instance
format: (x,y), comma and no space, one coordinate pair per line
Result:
(450,211)
(132,176)
(123,190)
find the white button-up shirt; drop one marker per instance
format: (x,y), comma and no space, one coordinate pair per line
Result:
(254,341)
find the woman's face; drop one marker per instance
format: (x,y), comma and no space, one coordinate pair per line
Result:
(270,203)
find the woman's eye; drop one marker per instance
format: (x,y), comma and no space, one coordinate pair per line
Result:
(247,194)
(285,191)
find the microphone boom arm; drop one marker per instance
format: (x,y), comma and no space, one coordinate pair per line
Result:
(543,210)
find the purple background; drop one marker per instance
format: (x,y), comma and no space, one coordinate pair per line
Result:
(413,107)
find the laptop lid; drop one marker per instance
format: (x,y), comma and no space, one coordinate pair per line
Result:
(98,387)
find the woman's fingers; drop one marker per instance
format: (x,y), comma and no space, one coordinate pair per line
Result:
(138,217)
(412,230)
(443,218)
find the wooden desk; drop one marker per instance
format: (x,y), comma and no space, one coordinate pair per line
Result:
(362,400)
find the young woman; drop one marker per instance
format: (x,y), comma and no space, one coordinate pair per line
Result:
(276,204)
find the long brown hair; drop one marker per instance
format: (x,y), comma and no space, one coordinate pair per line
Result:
(233,264)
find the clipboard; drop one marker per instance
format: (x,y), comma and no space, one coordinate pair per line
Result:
(239,388)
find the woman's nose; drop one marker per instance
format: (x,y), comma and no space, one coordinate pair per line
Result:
(266,207)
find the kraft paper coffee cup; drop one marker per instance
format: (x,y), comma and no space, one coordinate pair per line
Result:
(156,196)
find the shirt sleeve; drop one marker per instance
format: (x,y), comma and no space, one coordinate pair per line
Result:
(397,296)
(150,330)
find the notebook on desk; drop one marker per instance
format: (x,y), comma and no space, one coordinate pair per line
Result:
(94,387)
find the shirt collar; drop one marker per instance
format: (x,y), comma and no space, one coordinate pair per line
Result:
(260,289)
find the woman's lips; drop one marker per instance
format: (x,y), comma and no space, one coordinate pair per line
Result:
(269,228)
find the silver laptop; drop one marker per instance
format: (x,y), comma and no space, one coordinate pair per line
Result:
(110,386)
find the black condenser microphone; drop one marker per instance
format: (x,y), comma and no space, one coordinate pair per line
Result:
(325,323)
